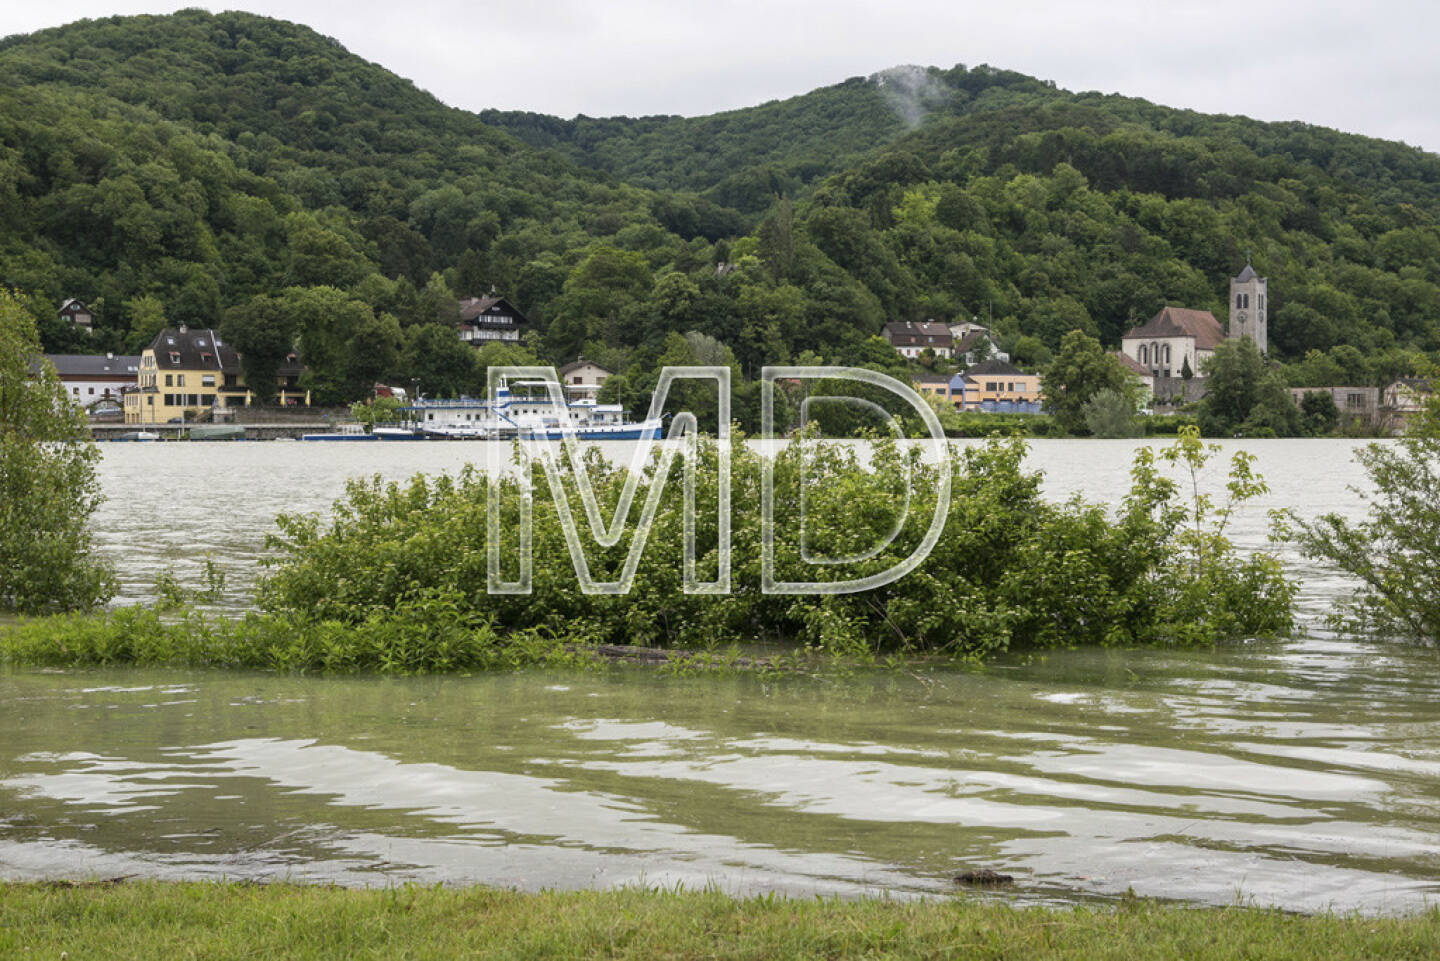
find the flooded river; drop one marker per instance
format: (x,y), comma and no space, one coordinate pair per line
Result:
(1303,773)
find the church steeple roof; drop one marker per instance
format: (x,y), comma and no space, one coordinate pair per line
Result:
(1247,275)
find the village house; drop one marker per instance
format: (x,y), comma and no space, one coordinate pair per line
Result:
(975,345)
(491,318)
(584,375)
(186,372)
(1403,399)
(75,312)
(912,339)
(996,387)
(95,379)
(1355,404)
(932,386)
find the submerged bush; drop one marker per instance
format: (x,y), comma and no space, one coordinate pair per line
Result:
(1011,570)
(48,487)
(427,634)
(1394,552)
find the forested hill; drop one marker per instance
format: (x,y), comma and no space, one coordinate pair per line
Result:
(744,158)
(237,170)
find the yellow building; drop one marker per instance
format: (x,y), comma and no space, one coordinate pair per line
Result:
(997,386)
(932,386)
(185,373)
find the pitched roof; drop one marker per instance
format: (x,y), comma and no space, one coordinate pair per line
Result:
(478,310)
(970,340)
(182,348)
(93,365)
(927,333)
(1247,274)
(937,380)
(582,362)
(1131,364)
(994,366)
(1182,322)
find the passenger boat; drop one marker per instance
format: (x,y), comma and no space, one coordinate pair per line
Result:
(347,432)
(528,411)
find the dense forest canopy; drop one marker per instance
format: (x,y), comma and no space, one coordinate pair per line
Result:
(237,171)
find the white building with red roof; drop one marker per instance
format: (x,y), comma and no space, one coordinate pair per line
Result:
(1172,339)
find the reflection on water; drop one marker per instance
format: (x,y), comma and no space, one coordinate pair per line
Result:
(1301,773)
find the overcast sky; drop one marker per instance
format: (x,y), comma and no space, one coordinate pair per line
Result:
(1363,67)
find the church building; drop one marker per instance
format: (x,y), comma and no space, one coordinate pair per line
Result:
(1178,338)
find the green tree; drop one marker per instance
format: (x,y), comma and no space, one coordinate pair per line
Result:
(373,355)
(1394,552)
(1244,396)
(263,331)
(436,359)
(1111,413)
(1079,371)
(147,318)
(48,488)
(1320,414)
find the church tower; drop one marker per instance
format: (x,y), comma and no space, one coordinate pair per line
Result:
(1249,311)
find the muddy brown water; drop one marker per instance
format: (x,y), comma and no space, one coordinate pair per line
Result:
(1302,773)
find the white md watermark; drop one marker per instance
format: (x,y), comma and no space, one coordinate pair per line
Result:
(684,429)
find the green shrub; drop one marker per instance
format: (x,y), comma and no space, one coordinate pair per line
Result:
(1394,552)
(1010,570)
(48,488)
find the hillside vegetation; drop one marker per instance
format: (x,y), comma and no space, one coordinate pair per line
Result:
(245,172)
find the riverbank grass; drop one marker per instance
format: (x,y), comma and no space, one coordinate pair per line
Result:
(151,919)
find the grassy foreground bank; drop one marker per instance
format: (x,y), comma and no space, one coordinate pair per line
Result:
(145,920)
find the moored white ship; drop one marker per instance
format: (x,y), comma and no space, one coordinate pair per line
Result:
(526,409)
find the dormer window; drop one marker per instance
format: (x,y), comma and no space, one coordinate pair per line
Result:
(170,341)
(201,342)
(174,359)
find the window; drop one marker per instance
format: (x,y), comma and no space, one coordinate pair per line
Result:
(179,380)
(174,359)
(1261,305)
(92,391)
(1238,302)
(169,380)
(1167,353)
(75,391)
(1144,355)
(207,380)
(1247,299)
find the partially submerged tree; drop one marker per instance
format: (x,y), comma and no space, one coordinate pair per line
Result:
(1394,552)
(48,488)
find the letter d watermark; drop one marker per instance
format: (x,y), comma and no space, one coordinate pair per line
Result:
(938,445)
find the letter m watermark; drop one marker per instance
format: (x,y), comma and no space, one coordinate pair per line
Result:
(682,438)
